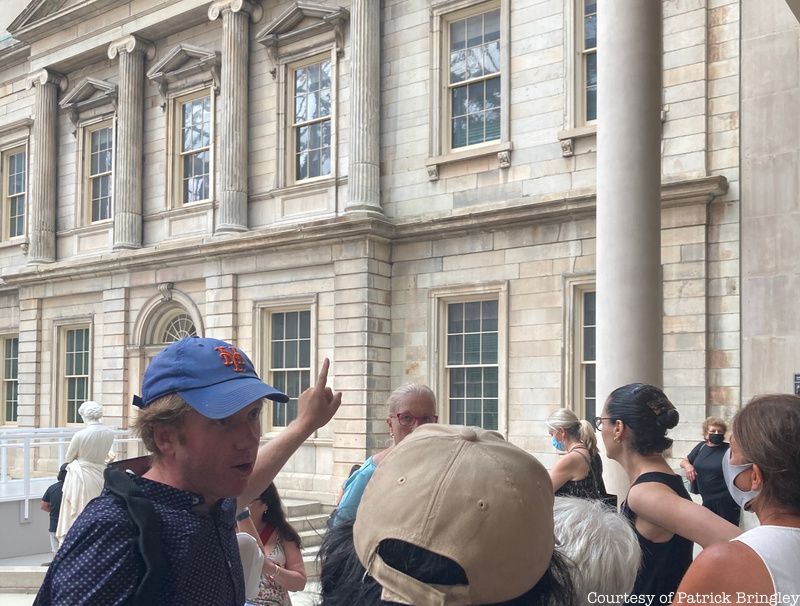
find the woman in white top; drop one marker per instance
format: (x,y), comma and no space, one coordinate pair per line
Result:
(762,470)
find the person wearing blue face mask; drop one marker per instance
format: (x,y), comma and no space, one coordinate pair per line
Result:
(762,471)
(579,471)
(703,466)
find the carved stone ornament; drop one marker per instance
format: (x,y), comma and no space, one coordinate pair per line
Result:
(87,94)
(132,44)
(165,288)
(433,172)
(185,61)
(235,6)
(504,159)
(287,28)
(46,76)
(566,148)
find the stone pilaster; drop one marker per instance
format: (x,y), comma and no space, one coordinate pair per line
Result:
(128,147)
(234,88)
(365,55)
(30,413)
(629,299)
(42,182)
(221,308)
(113,384)
(362,349)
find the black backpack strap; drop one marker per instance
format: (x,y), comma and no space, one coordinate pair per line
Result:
(143,515)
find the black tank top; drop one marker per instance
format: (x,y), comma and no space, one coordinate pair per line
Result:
(591,486)
(663,564)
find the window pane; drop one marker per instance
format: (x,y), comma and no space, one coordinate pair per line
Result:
(455,318)
(472,316)
(589,302)
(474,62)
(455,349)
(277,354)
(472,349)
(491,57)
(458,35)
(291,325)
(459,97)
(590,24)
(489,348)
(475,129)
(475,30)
(491,26)
(314,163)
(325,75)
(305,324)
(458,66)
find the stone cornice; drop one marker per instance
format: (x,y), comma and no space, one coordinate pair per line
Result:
(529,210)
(42,18)
(16,53)
(184,251)
(235,6)
(523,211)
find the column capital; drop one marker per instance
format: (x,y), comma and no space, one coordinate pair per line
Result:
(131,44)
(235,6)
(47,76)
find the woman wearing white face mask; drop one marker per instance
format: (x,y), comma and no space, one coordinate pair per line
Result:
(762,470)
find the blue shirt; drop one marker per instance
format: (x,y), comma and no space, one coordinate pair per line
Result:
(353,491)
(100,562)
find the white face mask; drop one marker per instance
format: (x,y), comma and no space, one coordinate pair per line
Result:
(731,471)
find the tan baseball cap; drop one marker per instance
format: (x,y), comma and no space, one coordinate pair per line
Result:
(467,494)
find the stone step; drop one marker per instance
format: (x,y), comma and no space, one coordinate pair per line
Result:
(21,579)
(298,508)
(311,562)
(317,521)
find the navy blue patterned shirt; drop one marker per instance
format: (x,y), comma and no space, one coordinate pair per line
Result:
(100,563)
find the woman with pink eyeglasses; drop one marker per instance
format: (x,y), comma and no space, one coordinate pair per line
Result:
(410,406)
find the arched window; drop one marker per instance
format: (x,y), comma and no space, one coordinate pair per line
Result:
(177,328)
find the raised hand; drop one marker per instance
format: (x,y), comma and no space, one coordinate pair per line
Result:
(317,405)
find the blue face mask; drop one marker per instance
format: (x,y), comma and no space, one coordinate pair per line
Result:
(557,444)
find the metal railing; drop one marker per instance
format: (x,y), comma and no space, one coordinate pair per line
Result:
(41,451)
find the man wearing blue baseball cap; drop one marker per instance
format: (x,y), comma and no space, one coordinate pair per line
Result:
(167,535)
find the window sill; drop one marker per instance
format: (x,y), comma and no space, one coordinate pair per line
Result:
(305,187)
(190,207)
(12,242)
(502,149)
(97,226)
(568,137)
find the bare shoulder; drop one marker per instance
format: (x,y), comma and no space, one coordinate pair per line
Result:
(725,567)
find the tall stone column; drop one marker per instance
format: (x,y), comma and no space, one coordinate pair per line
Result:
(629,297)
(365,55)
(234,88)
(42,182)
(128,148)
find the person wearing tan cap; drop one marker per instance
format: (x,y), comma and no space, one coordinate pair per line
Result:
(452,516)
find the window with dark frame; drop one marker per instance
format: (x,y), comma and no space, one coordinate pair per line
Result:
(10,379)
(15,189)
(101,162)
(588,354)
(290,361)
(195,150)
(474,82)
(472,363)
(76,371)
(589,58)
(312,120)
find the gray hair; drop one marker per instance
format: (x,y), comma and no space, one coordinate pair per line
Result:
(600,542)
(409,389)
(90,411)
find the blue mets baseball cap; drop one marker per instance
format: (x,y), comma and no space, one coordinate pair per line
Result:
(215,378)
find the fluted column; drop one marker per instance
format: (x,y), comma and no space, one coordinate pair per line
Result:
(42,183)
(128,149)
(234,88)
(365,55)
(629,293)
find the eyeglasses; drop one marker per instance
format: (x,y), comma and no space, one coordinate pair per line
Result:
(598,421)
(406,419)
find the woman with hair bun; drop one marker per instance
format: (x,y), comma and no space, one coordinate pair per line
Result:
(633,425)
(579,472)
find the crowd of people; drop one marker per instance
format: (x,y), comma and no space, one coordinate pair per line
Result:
(446,515)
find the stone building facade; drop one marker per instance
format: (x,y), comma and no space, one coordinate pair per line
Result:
(407,187)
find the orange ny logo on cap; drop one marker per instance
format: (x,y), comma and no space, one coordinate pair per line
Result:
(231,357)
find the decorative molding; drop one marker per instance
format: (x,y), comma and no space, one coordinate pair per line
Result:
(433,172)
(235,6)
(526,210)
(504,159)
(46,76)
(41,18)
(284,30)
(23,125)
(566,148)
(165,288)
(132,44)
(184,61)
(87,94)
